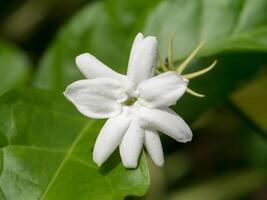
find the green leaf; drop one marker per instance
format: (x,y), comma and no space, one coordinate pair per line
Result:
(126,13)
(221,24)
(46,153)
(108,38)
(233,34)
(14,67)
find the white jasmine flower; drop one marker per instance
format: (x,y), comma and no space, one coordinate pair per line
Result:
(136,105)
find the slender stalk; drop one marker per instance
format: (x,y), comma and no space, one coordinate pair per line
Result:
(161,64)
(170,49)
(200,72)
(182,67)
(192,92)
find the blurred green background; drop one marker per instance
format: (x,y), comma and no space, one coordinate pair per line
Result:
(227,158)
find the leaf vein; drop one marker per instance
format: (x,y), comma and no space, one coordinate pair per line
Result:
(22,178)
(34,147)
(239,17)
(69,152)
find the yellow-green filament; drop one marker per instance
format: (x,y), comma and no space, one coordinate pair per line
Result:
(200,72)
(161,64)
(182,67)
(192,92)
(170,50)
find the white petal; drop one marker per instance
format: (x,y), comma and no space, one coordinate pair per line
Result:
(110,136)
(96,98)
(137,41)
(162,90)
(143,59)
(164,120)
(92,68)
(154,147)
(131,145)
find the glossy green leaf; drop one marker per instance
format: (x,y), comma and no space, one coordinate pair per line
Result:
(221,24)
(14,67)
(108,38)
(126,14)
(233,35)
(46,153)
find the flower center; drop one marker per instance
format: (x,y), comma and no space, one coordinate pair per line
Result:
(130,101)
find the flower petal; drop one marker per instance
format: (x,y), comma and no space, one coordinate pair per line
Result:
(131,145)
(96,98)
(164,120)
(154,147)
(110,136)
(92,68)
(162,90)
(137,42)
(143,59)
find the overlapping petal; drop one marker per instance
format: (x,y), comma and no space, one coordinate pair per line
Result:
(154,147)
(143,59)
(164,120)
(92,68)
(111,136)
(131,145)
(96,98)
(162,90)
